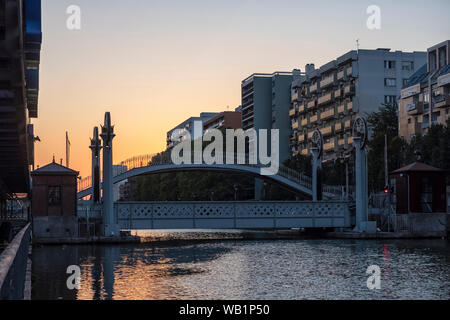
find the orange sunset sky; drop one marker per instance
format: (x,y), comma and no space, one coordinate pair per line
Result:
(153,64)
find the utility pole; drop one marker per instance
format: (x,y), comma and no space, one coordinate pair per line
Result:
(385,161)
(67,149)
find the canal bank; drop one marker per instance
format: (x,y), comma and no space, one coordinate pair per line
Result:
(15,266)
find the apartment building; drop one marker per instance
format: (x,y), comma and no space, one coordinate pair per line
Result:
(266,103)
(425,98)
(189,125)
(226,119)
(331,97)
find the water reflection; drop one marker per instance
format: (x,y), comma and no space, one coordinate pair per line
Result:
(301,269)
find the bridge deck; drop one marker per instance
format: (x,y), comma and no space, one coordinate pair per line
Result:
(231,215)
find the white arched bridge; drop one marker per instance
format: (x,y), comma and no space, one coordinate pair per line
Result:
(161,163)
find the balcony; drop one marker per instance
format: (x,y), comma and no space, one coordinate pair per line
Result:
(313,88)
(330,145)
(327,114)
(301,108)
(326,131)
(340,75)
(301,138)
(337,93)
(349,72)
(327,81)
(324,99)
(341,108)
(304,122)
(292,112)
(341,142)
(313,119)
(295,125)
(349,106)
(311,104)
(349,89)
(442,101)
(294,96)
(414,108)
(348,124)
(337,127)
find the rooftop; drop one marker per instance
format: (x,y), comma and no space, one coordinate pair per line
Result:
(54,169)
(417,167)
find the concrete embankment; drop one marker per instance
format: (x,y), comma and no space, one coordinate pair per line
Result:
(13,266)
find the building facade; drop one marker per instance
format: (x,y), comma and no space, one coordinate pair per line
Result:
(189,126)
(331,97)
(54,201)
(226,119)
(266,103)
(20,45)
(425,98)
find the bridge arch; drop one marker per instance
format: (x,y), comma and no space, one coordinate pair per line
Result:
(286,178)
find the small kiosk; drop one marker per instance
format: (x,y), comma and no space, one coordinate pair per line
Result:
(420,188)
(54,202)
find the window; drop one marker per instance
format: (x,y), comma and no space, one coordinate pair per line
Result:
(390,82)
(54,195)
(405,81)
(442,60)
(409,120)
(426,97)
(389,64)
(407,65)
(390,99)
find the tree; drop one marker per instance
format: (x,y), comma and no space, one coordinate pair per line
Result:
(381,123)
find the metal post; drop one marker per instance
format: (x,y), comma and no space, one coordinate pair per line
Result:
(95,176)
(315,166)
(109,226)
(361,185)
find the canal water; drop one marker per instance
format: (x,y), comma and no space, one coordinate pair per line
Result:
(239,269)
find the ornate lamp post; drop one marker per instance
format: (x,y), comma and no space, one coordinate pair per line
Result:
(95,148)
(317,151)
(109,225)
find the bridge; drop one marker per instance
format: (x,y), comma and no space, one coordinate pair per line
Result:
(287,178)
(219,215)
(225,214)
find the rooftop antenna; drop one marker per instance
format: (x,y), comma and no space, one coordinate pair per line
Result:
(67,149)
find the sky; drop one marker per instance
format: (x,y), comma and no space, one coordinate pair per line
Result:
(153,64)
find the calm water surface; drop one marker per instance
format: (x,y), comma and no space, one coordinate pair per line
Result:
(292,269)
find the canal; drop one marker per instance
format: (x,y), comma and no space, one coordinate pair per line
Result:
(238,269)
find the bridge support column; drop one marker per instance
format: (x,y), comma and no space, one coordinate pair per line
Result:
(95,148)
(110,227)
(316,166)
(362,223)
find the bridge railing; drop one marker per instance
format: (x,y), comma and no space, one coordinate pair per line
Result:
(165,159)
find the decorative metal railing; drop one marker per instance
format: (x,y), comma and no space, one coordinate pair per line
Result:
(232,214)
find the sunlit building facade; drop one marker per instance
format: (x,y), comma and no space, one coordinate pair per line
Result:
(331,97)
(418,109)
